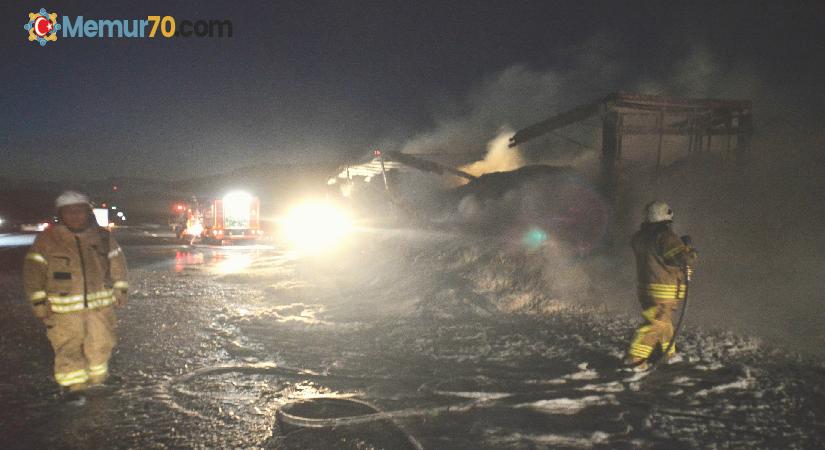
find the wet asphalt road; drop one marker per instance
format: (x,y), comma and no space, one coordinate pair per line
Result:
(215,340)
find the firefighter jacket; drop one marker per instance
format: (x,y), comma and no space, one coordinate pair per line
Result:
(74,271)
(661,257)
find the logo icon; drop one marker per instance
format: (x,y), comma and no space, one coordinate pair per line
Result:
(42,27)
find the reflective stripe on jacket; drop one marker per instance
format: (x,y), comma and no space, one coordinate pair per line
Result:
(663,291)
(74,271)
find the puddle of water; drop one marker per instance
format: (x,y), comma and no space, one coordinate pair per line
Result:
(213,259)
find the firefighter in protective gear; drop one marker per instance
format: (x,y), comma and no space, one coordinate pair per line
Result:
(73,275)
(662,262)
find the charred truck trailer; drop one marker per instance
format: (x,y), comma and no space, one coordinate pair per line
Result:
(626,117)
(642,137)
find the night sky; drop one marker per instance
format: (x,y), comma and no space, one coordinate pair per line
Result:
(308,82)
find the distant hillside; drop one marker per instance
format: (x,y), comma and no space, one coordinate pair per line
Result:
(264,180)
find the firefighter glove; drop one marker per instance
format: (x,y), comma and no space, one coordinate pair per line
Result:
(42,310)
(121,297)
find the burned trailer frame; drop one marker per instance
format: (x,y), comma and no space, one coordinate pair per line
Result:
(625,115)
(388,162)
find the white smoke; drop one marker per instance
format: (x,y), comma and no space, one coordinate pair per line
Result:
(499,158)
(520,95)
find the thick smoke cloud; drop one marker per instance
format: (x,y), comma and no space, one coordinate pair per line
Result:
(757,225)
(518,96)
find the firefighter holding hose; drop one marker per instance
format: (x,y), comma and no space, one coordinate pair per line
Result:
(664,264)
(73,275)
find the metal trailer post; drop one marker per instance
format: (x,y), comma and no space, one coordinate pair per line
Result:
(660,123)
(743,137)
(383,171)
(610,153)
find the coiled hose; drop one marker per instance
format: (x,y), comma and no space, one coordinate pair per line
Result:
(285,412)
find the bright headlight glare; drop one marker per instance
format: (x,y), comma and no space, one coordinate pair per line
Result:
(315,226)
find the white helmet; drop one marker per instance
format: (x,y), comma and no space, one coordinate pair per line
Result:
(658,211)
(71,198)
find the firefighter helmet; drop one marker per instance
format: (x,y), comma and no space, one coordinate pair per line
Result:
(658,211)
(71,198)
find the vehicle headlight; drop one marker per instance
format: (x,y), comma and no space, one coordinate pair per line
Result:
(315,226)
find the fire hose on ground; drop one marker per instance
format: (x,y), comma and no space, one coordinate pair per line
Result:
(285,412)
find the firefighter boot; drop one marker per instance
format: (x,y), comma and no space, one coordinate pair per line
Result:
(98,379)
(636,364)
(79,387)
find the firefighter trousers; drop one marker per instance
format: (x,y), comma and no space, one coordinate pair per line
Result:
(82,343)
(656,330)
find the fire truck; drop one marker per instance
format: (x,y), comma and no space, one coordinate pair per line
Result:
(235,218)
